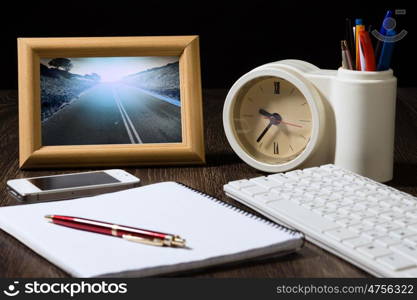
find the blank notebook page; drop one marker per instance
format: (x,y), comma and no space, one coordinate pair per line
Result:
(215,232)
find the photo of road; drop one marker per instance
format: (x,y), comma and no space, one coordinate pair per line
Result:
(110,100)
(114,114)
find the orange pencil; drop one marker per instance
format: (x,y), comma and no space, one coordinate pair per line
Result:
(367,51)
(359,27)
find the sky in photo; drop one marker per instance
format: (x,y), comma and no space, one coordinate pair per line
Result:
(115,68)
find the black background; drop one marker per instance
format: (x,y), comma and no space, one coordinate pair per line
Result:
(234,37)
(220,288)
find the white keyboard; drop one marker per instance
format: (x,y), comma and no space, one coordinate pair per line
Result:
(367,223)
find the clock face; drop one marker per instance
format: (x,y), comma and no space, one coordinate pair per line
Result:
(272,120)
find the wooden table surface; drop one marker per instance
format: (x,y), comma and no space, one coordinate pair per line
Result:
(16,260)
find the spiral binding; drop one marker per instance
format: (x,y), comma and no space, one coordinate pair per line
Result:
(291,232)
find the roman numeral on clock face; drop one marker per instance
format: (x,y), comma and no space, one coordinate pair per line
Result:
(276,148)
(276,87)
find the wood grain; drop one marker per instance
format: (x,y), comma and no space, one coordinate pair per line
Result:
(222,166)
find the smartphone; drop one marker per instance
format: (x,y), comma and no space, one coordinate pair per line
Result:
(67,186)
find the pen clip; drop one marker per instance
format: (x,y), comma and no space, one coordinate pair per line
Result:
(153,242)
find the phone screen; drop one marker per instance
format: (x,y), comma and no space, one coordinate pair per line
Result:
(73,180)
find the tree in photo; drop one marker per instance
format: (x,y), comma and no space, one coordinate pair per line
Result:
(61,63)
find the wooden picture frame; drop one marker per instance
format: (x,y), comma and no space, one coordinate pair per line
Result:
(34,155)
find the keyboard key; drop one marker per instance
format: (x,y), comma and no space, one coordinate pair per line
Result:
(341,234)
(296,174)
(338,173)
(280,178)
(350,209)
(311,205)
(401,208)
(335,204)
(335,196)
(406,250)
(371,186)
(360,180)
(363,192)
(282,193)
(408,200)
(388,241)
(265,182)
(412,272)
(327,189)
(239,184)
(411,240)
(413,227)
(412,214)
(374,234)
(335,216)
(387,226)
(326,168)
(340,183)
(359,207)
(349,177)
(263,198)
(312,170)
(324,210)
(360,227)
(379,209)
(301,215)
(374,221)
(391,216)
(297,192)
(387,203)
(291,185)
(320,200)
(310,196)
(347,222)
(405,221)
(375,197)
(298,199)
(352,187)
(402,233)
(374,251)
(362,214)
(396,262)
(383,190)
(357,242)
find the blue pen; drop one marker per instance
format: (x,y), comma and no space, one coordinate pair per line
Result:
(384,24)
(386,53)
(382,33)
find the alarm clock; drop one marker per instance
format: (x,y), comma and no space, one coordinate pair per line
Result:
(290,114)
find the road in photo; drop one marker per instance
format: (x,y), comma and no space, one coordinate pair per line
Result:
(114,113)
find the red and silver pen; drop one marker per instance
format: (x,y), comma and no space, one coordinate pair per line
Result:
(126,232)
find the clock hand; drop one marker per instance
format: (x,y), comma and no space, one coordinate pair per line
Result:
(276,118)
(283,122)
(265,113)
(263,132)
(291,124)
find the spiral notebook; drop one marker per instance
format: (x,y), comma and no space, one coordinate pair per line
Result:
(216,232)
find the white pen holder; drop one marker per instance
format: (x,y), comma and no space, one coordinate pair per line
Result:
(364,103)
(360,113)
